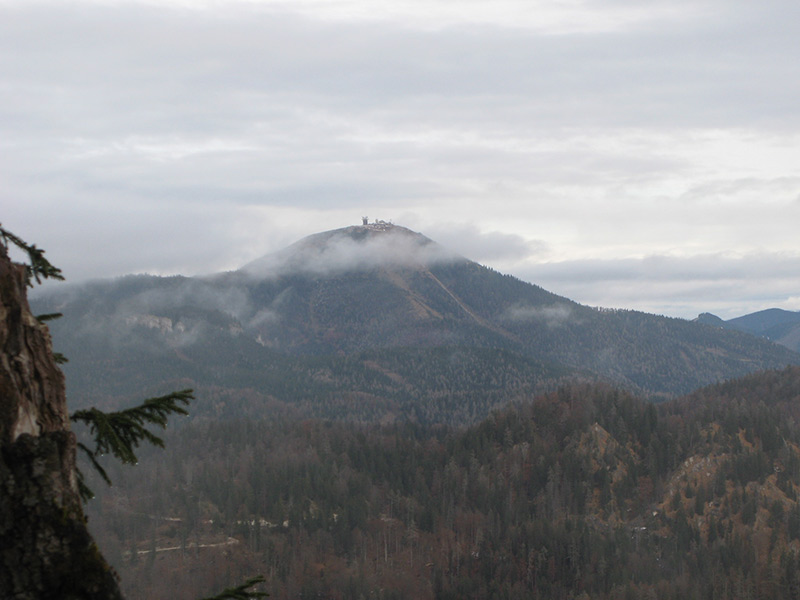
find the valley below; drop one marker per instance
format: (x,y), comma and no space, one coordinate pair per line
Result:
(587,491)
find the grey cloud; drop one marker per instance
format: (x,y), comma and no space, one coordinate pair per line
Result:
(290,93)
(708,267)
(775,190)
(198,72)
(479,246)
(132,236)
(134,136)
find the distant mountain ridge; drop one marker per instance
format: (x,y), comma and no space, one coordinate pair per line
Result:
(381,319)
(780,326)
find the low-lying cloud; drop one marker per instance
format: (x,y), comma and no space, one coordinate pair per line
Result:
(485,246)
(337,252)
(554,315)
(194,293)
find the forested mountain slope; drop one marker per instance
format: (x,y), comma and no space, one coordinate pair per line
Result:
(780,326)
(584,492)
(362,316)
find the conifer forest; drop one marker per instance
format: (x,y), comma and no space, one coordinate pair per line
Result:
(584,492)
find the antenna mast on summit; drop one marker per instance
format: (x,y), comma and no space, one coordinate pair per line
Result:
(377,225)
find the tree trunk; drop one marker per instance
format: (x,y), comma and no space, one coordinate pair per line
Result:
(45,549)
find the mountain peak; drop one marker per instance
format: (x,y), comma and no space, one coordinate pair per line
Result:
(356,248)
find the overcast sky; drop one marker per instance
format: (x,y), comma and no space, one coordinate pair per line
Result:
(621,153)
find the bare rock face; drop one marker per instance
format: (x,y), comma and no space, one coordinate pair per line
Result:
(31,385)
(45,549)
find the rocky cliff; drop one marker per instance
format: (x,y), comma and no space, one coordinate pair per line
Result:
(45,549)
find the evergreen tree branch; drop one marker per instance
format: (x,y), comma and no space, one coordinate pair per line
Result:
(38,267)
(93,459)
(48,317)
(84,490)
(241,592)
(120,433)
